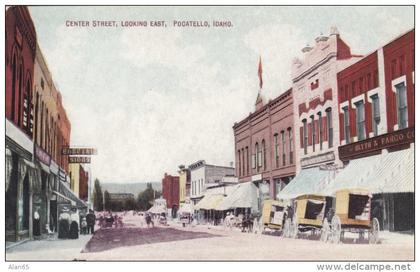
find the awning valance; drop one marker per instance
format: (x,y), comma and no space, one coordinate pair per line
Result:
(311,181)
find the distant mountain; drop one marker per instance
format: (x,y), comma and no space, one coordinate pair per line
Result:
(133,188)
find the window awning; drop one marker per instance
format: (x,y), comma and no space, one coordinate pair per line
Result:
(385,173)
(311,181)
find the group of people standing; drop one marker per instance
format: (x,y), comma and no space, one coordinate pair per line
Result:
(71,223)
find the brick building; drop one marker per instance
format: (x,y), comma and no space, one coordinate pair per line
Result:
(264,144)
(83,183)
(376,105)
(170,192)
(20,47)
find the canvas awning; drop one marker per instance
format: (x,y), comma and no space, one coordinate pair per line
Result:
(385,173)
(244,195)
(68,193)
(311,181)
(210,202)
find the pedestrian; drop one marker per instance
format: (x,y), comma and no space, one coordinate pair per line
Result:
(36,223)
(64,225)
(74,225)
(83,226)
(90,220)
(149,220)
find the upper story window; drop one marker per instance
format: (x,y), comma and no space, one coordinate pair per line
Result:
(376,115)
(276,149)
(313,132)
(346,124)
(402,112)
(247,160)
(305,136)
(264,160)
(239,163)
(329,127)
(290,145)
(320,130)
(283,147)
(360,119)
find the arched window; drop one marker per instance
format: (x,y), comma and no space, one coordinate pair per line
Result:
(239,162)
(14,78)
(283,147)
(290,144)
(19,117)
(264,155)
(257,155)
(247,160)
(276,149)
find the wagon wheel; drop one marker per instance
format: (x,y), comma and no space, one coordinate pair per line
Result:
(336,229)
(374,232)
(325,231)
(294,228)
(286,228)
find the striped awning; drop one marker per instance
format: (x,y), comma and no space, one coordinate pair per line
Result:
(311,181)
(385,173)
(210,202)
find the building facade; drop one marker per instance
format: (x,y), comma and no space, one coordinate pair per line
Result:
(170,192)
(184,176)
(205,175)
(315,100)
(20,47)
(265,144)
(376,105)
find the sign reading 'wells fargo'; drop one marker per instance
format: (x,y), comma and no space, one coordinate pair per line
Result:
(78,151)
(393,139)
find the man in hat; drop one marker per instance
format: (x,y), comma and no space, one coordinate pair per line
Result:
(90,220)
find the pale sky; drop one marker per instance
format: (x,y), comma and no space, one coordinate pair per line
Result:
(150,99)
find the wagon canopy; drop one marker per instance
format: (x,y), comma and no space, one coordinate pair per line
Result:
(311,181)
(244,195)
(384,173)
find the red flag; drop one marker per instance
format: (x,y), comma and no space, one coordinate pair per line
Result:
(260,73)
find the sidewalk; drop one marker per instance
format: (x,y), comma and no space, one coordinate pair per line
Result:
(48,250)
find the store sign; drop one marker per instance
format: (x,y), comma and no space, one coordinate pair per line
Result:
(42,156)
(317,159)
(393,139)
(78,151)
(79,159)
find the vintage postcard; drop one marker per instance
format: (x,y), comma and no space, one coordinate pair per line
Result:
(210,133)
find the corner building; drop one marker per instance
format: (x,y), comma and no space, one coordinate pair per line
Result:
(376,105)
